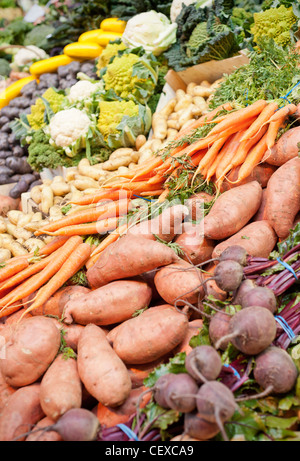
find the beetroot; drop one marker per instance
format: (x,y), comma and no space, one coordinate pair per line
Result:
(203,363)
(244,287)
(250,330)
(198,428)
(228,275)
(218,328)
(260,296)
(180,393)
(159,389)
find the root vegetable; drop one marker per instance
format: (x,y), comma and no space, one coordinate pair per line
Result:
(244,288)
(203,363)
(218,329)
(100,368)
(179,393)
(198,428)
(251,330)
(197,249)
(285,148)
(29,351)
(260,296)
(60,387)
(37,435)
(127,257)
(232,210)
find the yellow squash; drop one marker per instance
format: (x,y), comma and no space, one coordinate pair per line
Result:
(83,50)
(105,37)
(90,36)
(113,25)
(50,64)
(13,90)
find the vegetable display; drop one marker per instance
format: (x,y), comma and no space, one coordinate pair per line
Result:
(149,248)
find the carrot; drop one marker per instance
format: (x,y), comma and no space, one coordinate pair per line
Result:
(107,210)
(212,169)
(229,153)
(284,112)
(152,193)
(36,281)
(112,194)
(72,264)
(112,237)
(210,155)
(263,117)
(162,197)
(12,268)
(273,131)
(32,269)
(239,116)
(52,246)
(98,227)
(253,158)
(243,151)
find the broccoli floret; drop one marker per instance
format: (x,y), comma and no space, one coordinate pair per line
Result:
(275,23)
(131,77)
(42,155)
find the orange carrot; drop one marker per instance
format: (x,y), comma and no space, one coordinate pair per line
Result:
(107,210)
(72,264)
(229,154)
(36,281)
(283,112)
(102,195)
(32,269)
(210,155)
(13,267)
(253,158)
(263,117)
(98,227)
(213,167)
(52,246)
(152,193)
(162,197)
(239,116)
(112,237)
(273,131)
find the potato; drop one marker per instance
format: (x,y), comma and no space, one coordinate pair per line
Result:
(102,372)
(7,204)
(61,388)
(32,244)
(47,197)
(5,255)
(29,351)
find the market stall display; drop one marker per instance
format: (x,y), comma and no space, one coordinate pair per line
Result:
(149,250)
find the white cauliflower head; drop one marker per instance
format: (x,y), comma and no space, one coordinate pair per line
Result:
(81,90)
(67,126)
(26,56)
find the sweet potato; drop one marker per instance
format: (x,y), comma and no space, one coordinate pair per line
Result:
(179,282)
(194,328)
(211,286)
(60,387)
(232,210)
(44,436)
(127,257)
(165,226)
(195,246)
(29,351)
(56,303)
(112,303)
(260,173)
(260,214)
(196,203)
(138,373)
(109,417)
(258,238)
(151,335)
(102,372)
(5,392)
(285,148)
(283,197)
(21,411)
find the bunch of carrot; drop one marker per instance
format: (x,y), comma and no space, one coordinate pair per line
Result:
(239,138)
(58,261)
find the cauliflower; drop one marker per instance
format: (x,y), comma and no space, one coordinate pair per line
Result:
(131,77)
(67,127)
(177,6)
(81,90)
(26,56)
(274,23)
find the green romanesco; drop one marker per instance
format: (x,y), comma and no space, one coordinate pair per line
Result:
(109,52)
(131,77)
(274,23)
(120,122)
(36,118)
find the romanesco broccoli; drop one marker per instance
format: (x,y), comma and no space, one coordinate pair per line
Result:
(109,52)
(120,122)
(131,77)
(274,23)
(36,118)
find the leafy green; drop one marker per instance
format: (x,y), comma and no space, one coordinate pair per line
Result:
(38,36)
(15,32)
(270,75)
(291,241)
(4,68)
